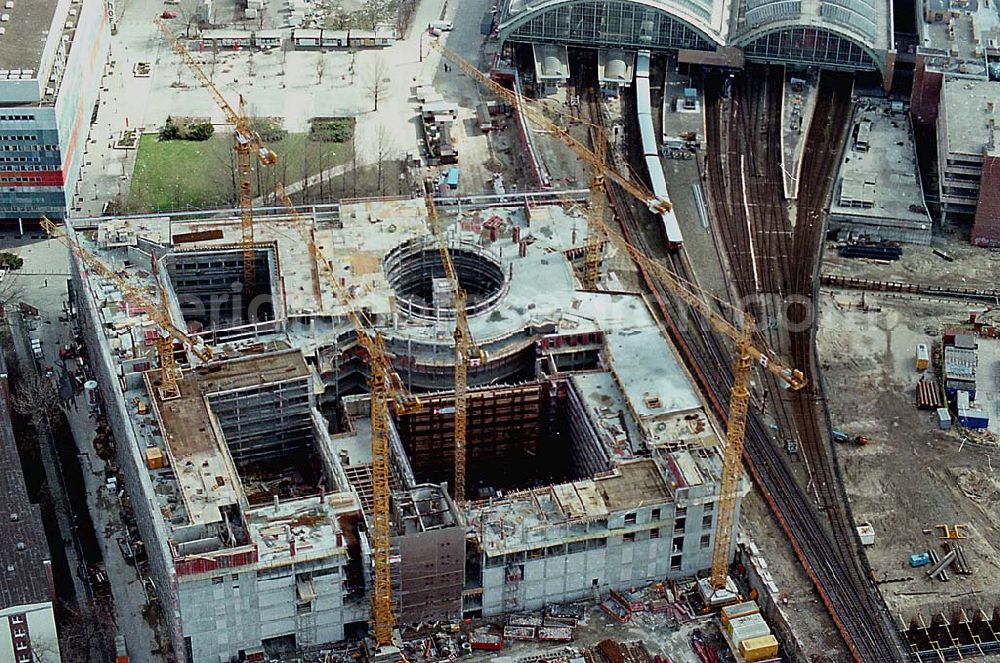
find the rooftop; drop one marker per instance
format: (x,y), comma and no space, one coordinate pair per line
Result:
(529,519)
(878,177)
(194,442)
(965,30)
(970,109)
(24,551)
(23,42)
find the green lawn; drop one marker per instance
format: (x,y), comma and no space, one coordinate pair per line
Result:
(173,175)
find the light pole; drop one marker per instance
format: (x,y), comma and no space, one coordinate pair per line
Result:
(420,45)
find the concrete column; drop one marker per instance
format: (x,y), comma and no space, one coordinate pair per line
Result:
(20,226)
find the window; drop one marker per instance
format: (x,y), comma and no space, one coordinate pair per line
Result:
(218,580)
(705,540)
(17,619)
(630,519)
(679,525)
(680,511)
(21,646)
(24,658)
(655,514)
(629,537)
(654,533)
(675,563)
(706,522)
(20,632)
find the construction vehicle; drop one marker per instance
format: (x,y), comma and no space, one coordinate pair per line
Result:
(842,437)
(246,142)
(157,311)
(466,353)
(717,590)
(387,390)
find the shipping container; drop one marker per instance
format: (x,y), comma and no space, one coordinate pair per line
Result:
(751,626)
(737,610)
(920,559)
(923,357)
(154,458)
(758,649)
(973,418)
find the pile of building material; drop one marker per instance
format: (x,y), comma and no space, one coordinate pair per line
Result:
(747,634)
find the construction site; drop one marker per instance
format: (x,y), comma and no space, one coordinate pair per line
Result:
(590,461)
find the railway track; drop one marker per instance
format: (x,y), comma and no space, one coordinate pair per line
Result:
(826,552)
(774,266)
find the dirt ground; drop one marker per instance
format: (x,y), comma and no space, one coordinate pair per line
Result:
(972,267)
(913,476)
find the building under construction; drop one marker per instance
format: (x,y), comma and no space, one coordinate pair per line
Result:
(591,463)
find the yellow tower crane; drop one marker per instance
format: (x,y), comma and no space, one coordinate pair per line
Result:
(246,141)
(747,352)
(596,200)
(386,388)
(157,311)
(466,353)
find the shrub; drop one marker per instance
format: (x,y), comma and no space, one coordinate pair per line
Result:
(200,131)
(186,129)
(331,129)
(170,130)
(10,261)
(269,129)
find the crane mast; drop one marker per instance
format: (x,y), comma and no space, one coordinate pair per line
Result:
(747,352)
(465,352)
(246,143)
(157,311)
(592,255)
(387,389)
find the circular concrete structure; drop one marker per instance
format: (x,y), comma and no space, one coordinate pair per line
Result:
(412,267)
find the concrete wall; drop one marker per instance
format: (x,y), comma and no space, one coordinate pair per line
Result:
(636,549)
(224,614)
(431,574)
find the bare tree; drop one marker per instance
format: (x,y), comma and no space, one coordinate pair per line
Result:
(11,289)
(376,78)
(383,145)
(320,66)
(371,11)
(36,397)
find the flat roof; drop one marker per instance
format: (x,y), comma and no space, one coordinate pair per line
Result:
(881,182)
(198,454)
(533,518)
(22,44)
(967,114)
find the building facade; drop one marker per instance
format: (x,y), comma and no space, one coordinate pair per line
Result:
(51,62)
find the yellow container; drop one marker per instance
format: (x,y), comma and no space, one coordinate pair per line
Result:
(154,458)
(758,649)
(738,610)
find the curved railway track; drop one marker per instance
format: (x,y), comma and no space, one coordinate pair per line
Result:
(778,279)
(826,555)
